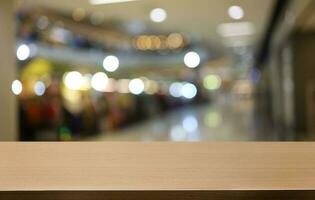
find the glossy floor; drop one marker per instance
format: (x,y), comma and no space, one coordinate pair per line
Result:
(223,120)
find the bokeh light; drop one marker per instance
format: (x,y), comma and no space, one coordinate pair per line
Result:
(73,80)
(177,133)
(111,85)
(189,91)
(136,86)
(122,86)
(236,12)
(42,22)
(99,81)
(152,87)
(213,119)
(158,15)
(192,59)
(86,83)
(111,63)
(176,89)
(190,124)
(16,87)
(23,52)
(78,14)
(39,88)
(175,40)
(212,82)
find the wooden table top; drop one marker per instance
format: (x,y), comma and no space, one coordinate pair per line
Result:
(158,166)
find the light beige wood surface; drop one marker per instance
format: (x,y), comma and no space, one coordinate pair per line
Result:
(156,166)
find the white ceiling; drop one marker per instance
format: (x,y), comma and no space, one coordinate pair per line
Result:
(200,17)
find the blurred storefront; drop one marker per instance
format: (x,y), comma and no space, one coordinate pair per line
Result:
(287,63)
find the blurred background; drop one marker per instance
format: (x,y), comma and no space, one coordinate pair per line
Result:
(157,70)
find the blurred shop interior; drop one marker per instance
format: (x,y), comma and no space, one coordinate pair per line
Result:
(157,70)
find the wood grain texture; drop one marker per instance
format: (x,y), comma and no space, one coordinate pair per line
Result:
(160,166)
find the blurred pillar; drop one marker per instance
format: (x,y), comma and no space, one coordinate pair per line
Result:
(8,106)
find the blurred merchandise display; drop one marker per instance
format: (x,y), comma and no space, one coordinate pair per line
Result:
(66,101)
(81,74)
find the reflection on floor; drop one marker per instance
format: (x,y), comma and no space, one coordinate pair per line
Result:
(218,121)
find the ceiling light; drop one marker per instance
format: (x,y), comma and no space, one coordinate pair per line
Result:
(237,42)
(236,12)
(158,15)
(236,29)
